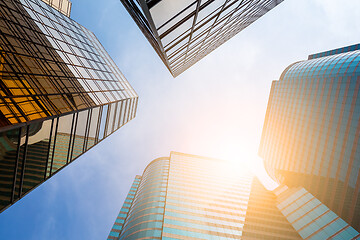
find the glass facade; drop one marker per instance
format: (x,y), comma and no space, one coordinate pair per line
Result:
(120,220)
(311,218)
(63,6)
(60,95)
(263,219)
(146,214)
(192,197)
(183,32)
(311,132)
(206,199)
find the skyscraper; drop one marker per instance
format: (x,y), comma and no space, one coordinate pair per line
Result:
(310,217)
(63,6)
(311,132)
(183,32)
(61,94)
(191,197)
(263,219)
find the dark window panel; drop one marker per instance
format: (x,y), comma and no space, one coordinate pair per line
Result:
(8,161)
(61,148)
(36,156)
(79,138)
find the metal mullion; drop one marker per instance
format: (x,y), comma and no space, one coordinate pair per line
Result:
(178,63)
(152,3)
(108,90)
(196,45)
(185,19)
(98,124)
(17,125)
(125,108)
(128,115)
(178,57)
(131,108)
(107,119)
(114,120)
(215,23)
(124,114)
(136,104)
(182,36)
(87,129)
(178,60)
(176,14)
(72,137)
(61,68)
(48,148)
(192,27)
(121,108)
(145,28)
(238,15)
(54,146)
(134,108)
(16,167)
(243,21)
(183,47)
(208,20)
(24,162)
(249,10)
(38,64)
(3,87)
(104,95)
(41,66)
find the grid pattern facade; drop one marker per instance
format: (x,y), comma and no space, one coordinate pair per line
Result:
(263,219)
(311,218)
(206,199)
(335,51)
(146,215)
(60,94)
(120,220)
(192,197)
(63,6)
(183,32)
(52,65)
(311,131)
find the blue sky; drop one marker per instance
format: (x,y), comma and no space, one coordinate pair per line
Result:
(214,109)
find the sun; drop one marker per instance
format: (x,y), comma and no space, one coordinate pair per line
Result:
(246,159)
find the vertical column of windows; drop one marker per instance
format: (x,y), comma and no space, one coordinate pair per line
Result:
(44,147)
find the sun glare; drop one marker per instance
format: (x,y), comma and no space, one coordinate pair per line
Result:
(246,159)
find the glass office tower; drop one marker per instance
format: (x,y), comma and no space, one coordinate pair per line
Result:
(191,197)
(63,6)
(310,217)
(183,32)
(61,94)
(263,219)
(311,132)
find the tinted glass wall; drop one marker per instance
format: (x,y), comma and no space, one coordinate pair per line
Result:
(183,32)
(60,94)
(311,132)
(51,65)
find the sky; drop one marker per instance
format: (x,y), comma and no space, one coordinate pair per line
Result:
(214,109)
